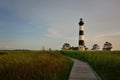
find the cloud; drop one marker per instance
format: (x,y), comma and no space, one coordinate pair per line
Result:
(108,35)
(64,32)
(59,20)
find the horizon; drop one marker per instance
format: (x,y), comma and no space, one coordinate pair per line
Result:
(28,24)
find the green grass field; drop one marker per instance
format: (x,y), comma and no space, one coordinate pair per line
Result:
(105,63)
(33,65)
(51,65)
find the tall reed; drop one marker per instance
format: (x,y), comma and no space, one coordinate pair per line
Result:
(105,63)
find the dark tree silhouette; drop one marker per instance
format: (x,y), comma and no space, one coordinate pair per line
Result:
(95,47)
(66,46)
(107,46)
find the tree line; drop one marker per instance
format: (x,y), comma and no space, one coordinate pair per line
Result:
(107,46)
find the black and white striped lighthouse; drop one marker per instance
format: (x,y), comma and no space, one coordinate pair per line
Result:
(81,35)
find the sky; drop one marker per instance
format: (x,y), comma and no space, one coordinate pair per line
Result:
(32,24)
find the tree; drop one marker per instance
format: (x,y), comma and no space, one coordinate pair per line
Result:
(66,46)
(86,48)
(107,46)
(95,47)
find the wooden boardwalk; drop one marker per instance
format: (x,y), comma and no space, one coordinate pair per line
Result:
(82,71)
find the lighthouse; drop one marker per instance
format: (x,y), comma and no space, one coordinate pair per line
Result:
(81,45)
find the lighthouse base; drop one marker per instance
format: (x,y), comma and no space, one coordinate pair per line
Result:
(81,48)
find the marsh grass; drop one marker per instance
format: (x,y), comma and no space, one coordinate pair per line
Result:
(34,65)
(105,63)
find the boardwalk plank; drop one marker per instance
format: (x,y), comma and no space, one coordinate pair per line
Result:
(81,71)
